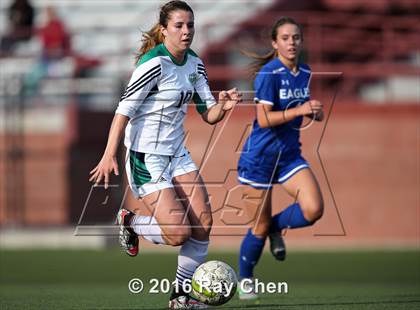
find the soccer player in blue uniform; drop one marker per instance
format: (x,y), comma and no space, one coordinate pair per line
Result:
(272,154)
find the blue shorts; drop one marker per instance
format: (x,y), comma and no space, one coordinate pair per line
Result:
(262,176)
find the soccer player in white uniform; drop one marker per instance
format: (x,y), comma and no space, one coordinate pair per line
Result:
(152,111)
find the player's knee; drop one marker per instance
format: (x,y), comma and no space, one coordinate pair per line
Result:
(207,223)
(313,211)
(261,229)
(178,236)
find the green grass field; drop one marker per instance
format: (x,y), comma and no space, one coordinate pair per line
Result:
(98,280)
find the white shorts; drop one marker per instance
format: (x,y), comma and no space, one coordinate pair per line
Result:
(148,173)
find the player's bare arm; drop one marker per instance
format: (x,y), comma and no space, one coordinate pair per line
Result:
(317,113)
(268,118)
(108,163)
(227,100)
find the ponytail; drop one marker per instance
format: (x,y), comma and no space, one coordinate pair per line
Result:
(259,60)
(149,40)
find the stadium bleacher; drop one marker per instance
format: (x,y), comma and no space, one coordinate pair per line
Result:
(112,30)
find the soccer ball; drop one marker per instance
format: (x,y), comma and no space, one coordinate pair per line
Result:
(214,283)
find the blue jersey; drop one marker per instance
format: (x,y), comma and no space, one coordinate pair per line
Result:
(278,146)
(276,85)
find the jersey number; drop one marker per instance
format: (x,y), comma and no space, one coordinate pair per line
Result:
(185,98)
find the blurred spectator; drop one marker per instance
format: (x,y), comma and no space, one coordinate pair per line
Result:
(56,46)
(54,37)
(21,20)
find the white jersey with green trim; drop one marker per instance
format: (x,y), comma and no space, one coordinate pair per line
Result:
(156,100)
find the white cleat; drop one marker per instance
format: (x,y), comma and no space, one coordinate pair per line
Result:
(186,302)
(246,290)
(128,239)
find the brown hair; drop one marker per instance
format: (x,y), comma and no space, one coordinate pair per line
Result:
(154,36)
(261,60)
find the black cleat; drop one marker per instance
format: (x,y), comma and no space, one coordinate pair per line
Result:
(277,246)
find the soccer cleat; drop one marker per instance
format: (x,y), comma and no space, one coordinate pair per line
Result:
(186,302)
(277,246)
(127,236)
(182,300)
(246,290)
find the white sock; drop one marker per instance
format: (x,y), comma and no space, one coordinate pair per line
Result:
(192,254)
(148,227)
